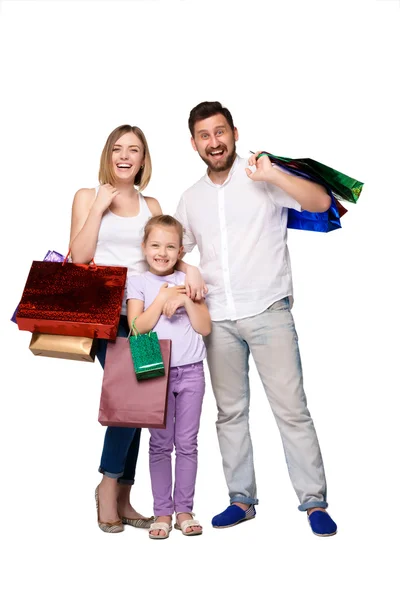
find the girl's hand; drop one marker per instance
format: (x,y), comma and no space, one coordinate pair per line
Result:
(172,305)
(196,289)
(169,293)
(105,196)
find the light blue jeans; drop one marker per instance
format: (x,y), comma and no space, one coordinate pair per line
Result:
(272,340)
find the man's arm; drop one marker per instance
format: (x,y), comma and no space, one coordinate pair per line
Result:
(311,196)
(195,286)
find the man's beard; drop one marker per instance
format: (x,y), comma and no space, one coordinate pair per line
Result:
(224,165)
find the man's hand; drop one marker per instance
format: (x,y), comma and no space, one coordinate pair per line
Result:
(196,289)
(264,169)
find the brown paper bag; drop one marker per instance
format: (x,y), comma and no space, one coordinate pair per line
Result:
(63,346)
(126,401)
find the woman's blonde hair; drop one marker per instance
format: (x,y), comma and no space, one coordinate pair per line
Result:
(106,173)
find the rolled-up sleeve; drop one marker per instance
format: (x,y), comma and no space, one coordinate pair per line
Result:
(280,197)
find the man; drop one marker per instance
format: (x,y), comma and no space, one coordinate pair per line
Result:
(237,215)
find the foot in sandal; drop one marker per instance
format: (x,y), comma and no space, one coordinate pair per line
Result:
(188,525)
(161,528)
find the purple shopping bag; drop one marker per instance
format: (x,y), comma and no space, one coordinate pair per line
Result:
(51,256)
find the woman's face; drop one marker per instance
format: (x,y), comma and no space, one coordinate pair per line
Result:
(127,157)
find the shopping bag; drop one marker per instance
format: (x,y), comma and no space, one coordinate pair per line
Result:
(339,186)
(72,299)
(324,222)
(146,353)
(343,186)
(126,401)
(51,256)
(63,346)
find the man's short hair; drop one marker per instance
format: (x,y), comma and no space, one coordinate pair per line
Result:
(204,110)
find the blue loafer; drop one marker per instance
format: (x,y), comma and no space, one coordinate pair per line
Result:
(233,515)
(322,524)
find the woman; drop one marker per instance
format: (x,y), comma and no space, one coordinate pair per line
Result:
(107,225)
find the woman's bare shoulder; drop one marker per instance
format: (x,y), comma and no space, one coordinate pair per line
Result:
(85,195)
(154,205)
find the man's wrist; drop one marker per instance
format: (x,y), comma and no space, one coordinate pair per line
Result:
(274,175)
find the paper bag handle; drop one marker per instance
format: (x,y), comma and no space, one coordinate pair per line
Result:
(91,264)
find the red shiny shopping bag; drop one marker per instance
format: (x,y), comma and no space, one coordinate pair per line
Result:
(72,299)
(126,401)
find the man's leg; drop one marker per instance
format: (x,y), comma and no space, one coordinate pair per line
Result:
(273,343)
(228,361)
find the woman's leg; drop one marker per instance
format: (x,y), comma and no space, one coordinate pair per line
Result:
(127,479)
(118,442)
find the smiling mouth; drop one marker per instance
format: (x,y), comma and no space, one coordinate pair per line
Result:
(124,165)
(216,153)
(161,260)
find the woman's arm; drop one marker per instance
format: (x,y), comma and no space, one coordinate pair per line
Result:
(199,316)
(87,212)
(196,289)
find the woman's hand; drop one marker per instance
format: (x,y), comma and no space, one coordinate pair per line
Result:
(105,196)
(196,289)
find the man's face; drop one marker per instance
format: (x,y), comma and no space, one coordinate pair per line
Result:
(215,141)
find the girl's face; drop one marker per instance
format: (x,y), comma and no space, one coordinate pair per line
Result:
(127,157)
(162,250)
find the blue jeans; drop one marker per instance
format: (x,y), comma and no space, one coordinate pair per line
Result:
(271,338)
(121,444)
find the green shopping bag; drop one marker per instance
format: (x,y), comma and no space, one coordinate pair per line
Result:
(342,186)
(146,353)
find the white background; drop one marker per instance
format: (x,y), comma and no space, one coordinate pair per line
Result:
(302,79)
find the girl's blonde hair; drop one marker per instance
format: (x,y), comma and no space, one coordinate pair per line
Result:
(163,221)
(106,173)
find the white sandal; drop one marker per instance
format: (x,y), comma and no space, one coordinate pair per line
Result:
(184,526)
(160,525)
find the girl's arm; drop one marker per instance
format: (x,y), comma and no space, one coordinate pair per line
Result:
(147,319)
(197,312)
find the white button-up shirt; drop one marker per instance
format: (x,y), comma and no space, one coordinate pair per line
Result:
(240,230)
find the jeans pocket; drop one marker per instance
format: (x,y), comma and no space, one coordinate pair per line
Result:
(279,305)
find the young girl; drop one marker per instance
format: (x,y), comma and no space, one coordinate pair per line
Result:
(158,300)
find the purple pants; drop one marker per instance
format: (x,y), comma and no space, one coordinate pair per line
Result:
(185,397)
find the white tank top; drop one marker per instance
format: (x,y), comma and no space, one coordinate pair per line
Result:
(119,242)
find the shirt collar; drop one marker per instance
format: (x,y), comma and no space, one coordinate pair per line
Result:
(162,278)
(227,180)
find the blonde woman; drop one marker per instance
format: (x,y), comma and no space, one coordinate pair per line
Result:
(107,225)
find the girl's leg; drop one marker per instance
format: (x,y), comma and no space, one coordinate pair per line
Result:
(161,446)
(189,401)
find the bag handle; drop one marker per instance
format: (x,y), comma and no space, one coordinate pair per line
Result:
(134,330)
(91,265)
